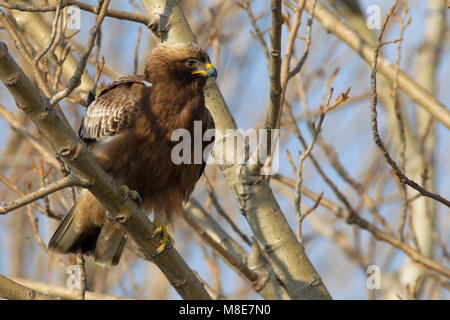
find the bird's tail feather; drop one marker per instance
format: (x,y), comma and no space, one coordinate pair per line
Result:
(70,239)
(106,242)
(110,244)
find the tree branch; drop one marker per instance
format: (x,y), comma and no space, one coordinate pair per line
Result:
(275,66)
(62,292)
(66,182)
(23,131)
(37,30)
(417,93)
(231,252)
(14,291)
(75,80)
(117,14)
(343,213)
(400,175)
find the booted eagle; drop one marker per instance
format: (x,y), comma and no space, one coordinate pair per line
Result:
(128,127)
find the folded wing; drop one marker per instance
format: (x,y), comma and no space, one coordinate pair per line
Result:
(114,109)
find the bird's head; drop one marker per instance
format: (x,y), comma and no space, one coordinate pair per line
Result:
(185,62)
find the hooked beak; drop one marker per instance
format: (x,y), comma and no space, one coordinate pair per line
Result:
(210,72)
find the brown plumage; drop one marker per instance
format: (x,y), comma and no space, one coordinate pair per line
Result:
(128,128)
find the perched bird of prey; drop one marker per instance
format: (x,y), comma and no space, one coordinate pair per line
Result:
(128,128)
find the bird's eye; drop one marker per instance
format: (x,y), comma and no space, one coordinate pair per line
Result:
(190,63)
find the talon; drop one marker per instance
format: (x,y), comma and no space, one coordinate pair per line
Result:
(158,230)
(166,241)
(169,244)
(133,194)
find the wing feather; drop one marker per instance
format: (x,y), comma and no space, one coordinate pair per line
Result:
(114,109)
(209,122)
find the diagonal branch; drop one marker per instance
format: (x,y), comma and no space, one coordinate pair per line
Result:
(258,33)
(259,278)
(399,173)
(221,211)
(75,81)
(417,93)
(66,182)
(345,213)
(52,37)
(305,54)
(23,131)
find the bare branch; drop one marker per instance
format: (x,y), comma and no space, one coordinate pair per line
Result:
(222,212)
(52,37)
(66,182)
(14,291)
(117,14)
(75,81)
(401,125)
(231,252)
(82,275)
(23,131)
(352,218)
(417,93)
(400,175)
(62,292)
(275,66)
(258,33)
(307,46)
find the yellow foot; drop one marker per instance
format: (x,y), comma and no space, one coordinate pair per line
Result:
(166,240)
(133,194)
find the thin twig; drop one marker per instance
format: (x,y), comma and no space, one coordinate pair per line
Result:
(400,175)
(34,225)
(307,46)
(401,125)
(122,15)
(65,182)
(136,51)
(222,212)
(274,67)
(302,158)
(17,126)
(52,36)
(303,217)
(258,33)
(81,276)
(352,218)
(75,81)
(125,267)
(286,63)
